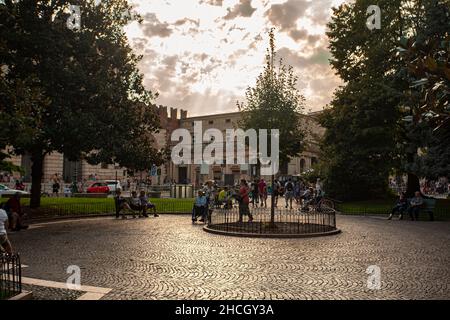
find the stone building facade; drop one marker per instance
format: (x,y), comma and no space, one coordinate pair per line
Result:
(228,173)
(171,119)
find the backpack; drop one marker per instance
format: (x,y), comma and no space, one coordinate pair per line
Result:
(289,186)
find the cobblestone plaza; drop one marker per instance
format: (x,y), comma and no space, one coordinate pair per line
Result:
(169,258)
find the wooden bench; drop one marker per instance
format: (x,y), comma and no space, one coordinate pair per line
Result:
(428,206)
(127,199)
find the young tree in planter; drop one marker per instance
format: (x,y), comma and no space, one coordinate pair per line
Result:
(275,103)
(85,96)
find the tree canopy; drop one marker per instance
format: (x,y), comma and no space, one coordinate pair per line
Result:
(77,92)
(276,103)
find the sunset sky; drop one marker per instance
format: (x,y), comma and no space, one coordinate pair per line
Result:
(201,55)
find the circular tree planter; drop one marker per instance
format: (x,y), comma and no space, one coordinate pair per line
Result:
(287,223)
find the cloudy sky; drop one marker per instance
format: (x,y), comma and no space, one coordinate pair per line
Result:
(201,55)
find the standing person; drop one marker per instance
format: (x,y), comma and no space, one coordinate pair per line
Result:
(319,190)
(55,186)
(4,241)
(255,193)
(275,192)
(289,194)
(208,191)
(244,201)
(262,191)
(297,192)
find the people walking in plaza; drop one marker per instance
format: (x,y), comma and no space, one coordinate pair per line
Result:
(146,204)
(262,191)
(275,192)
(5,245)
(255,193)
(414,206)
(244,201)
(400,207)
(289,194)
(200,207)
(55,186)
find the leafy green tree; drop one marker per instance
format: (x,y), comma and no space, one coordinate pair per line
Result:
(426,58)
(360,144)
(82,91)
(275,103)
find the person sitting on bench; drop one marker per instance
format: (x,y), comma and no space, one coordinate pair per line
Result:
(414,206)
(121,204)
(400,207)
(135,203)
(200,207)
(146,204)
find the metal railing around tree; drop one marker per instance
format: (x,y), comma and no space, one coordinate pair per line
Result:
(285,221)
(10,275)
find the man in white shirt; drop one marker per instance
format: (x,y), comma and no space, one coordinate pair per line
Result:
(4,242)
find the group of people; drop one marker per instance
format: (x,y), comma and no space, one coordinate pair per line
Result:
(210,197)
(11,219)
(297,191)
(412,207)
(258,193)
(135,203)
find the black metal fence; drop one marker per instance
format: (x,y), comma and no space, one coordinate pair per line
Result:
(10,276)
(285,221)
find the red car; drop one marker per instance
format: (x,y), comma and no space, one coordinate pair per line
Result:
(98,187)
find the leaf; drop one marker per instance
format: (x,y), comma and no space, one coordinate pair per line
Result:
(430,63)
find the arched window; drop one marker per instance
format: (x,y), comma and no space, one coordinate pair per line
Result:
(302,165)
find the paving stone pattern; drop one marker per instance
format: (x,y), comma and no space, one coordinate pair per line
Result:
(169,258)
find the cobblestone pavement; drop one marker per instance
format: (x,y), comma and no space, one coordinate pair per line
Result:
(169,258)
(46,293)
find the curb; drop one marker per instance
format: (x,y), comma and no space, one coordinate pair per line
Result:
(273,236)
(62,218)
(24,295)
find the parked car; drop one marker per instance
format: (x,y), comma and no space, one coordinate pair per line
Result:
(4,190)
(98,187)
(113,185)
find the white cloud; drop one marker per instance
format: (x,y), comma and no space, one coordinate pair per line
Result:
(201,61)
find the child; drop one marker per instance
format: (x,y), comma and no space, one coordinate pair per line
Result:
(146,204)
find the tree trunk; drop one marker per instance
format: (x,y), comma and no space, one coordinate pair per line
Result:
(36,179)
(413,185)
